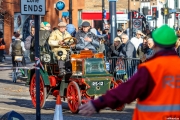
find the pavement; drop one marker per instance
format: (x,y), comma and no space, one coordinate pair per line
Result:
(15,96)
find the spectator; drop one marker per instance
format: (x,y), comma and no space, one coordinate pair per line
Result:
(148,33)
(142,49)
(87,40)
(119,32)
(13,37)
(150,50)
(115,48)
(177,46)
(17,49)
(28,41)
(127,49)
(150,85)
(2,44)
(136,41)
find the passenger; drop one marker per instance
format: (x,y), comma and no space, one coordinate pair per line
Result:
(86,40)
(71,29)
(44,33)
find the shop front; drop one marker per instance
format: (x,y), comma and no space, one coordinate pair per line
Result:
(95,18)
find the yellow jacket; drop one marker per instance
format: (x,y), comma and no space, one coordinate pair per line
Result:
(54,39)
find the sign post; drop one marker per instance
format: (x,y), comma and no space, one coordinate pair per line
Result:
(35,7)
(112,9)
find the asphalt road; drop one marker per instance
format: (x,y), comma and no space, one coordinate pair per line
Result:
(15,96)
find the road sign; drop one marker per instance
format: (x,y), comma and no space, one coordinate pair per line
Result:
(33,7)
(149,18)
(137,23)
(60,5)
(172,11)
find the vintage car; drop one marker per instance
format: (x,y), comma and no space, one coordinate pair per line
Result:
(87,80)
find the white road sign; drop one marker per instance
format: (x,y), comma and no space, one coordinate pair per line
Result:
(137,23)
(33,7)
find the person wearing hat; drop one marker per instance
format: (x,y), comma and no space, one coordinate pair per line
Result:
(55,41)
(115,48)
(119,32)
(155,85)
(86,40)
(137,40)
(17,49)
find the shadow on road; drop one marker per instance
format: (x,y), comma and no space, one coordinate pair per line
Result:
(18,83)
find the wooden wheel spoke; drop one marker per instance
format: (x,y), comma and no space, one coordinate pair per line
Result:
(43,91)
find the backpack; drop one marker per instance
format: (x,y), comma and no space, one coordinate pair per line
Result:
(27,43)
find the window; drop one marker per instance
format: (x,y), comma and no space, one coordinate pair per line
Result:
(1,23)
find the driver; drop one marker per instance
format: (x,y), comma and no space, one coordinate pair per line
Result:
(55,41)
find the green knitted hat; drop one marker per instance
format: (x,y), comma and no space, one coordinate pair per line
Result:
(164,36)
(43,24)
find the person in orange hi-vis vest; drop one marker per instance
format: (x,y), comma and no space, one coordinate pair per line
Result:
(156,85)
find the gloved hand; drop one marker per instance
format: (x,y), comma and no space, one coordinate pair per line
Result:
(115,52)
(112,47)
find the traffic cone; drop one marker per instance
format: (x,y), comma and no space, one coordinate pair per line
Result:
(58,110)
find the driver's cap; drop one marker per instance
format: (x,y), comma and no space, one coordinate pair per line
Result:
(62,24)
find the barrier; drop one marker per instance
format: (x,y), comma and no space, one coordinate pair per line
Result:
(13,68)
(123,68)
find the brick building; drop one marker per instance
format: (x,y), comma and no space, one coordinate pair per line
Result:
(11,19)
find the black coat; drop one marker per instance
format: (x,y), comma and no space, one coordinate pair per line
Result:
(127,50)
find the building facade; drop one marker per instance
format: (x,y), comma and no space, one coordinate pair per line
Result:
(11,19)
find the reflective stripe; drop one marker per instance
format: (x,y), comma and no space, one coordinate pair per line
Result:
(158,108)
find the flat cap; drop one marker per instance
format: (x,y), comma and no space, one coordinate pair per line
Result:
(85,24)
(62,24)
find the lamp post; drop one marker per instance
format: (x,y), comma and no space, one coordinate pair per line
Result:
(103,14)
(70,11)
(112,9)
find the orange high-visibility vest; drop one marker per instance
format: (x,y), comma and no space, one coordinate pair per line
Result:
(164,101)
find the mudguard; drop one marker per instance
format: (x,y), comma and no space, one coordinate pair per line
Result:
(43,73)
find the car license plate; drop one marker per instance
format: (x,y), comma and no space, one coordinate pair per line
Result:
(97,83)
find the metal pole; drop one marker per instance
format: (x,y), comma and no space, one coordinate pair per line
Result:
(103,15)
(38,113)
(112,4)
(129,19)
(70,11)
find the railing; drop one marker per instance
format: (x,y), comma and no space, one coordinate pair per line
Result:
(123,68)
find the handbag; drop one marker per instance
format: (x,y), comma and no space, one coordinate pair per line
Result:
(18,58)
(2,47)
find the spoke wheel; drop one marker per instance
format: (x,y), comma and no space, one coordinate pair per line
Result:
(43,91)
(73,97)
(120,108)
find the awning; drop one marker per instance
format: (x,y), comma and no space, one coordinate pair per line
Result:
(95,15)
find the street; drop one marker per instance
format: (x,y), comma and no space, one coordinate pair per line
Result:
(15,96)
